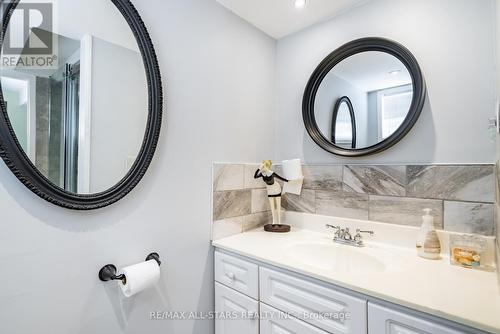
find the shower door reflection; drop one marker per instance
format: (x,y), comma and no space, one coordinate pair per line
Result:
(71,115)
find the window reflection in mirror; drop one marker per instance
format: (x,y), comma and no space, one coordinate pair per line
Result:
(392,106)
(380,89)
(82,120)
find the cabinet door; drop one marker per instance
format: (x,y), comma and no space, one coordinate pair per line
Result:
(238,274)
(319,304)
(382,320)
(236,313)
(273,321)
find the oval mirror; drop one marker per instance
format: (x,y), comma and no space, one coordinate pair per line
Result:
(81,99)
(344,123)
(376,91)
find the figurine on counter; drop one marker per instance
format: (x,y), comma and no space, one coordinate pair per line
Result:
(273,188)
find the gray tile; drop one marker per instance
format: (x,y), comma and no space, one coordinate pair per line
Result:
(260,201)
(342,204)
(255,220)
(232,203)
(376,180)
(468,217)
(404,211)
(322,177)
(227,227)
(249,181)
(306,202)
(466,183)
(228,177)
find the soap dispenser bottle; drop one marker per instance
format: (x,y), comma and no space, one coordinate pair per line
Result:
(428,245)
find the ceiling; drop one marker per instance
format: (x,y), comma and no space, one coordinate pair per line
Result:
(278,18)
(370,71)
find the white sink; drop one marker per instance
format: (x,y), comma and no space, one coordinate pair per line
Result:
(334,257)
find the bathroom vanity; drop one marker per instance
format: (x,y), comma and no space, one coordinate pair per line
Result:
(303,283)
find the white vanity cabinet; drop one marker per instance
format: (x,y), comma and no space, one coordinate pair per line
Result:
(288,303)
(383,320)
(311,307)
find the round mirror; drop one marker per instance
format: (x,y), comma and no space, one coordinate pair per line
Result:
(364,97)
(81,99)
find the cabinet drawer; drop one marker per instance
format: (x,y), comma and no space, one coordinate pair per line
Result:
(273,321)
(237,274)
(240,312)
(321,306)
(383,320)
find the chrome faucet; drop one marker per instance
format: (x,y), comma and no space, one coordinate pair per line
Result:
(343,236)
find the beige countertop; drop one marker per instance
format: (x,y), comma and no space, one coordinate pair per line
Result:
(470,297)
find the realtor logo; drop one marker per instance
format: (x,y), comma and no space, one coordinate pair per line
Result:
(28,40)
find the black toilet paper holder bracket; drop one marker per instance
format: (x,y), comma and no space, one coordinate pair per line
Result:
(108,272)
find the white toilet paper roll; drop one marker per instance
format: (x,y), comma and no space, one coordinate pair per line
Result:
(139,277)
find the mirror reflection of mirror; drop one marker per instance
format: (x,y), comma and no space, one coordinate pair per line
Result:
(380,89)
(344,124)
(80,120)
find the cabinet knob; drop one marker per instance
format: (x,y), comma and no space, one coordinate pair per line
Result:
(230,276)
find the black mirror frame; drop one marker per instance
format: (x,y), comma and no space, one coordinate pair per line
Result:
(345,51)
(22,167)
(346,100)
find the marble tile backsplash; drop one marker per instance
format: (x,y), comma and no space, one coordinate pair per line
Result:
(462,197)
(375,180)
(462,183)
(239,201)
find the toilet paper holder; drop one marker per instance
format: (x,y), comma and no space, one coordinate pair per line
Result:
(108,272)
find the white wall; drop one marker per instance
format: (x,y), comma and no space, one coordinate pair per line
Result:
(119,112)
(18,115)
(451,39)
(218,77)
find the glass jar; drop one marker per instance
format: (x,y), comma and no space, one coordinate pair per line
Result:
(467,250)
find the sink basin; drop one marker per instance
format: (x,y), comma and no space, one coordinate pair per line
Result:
(334,257)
